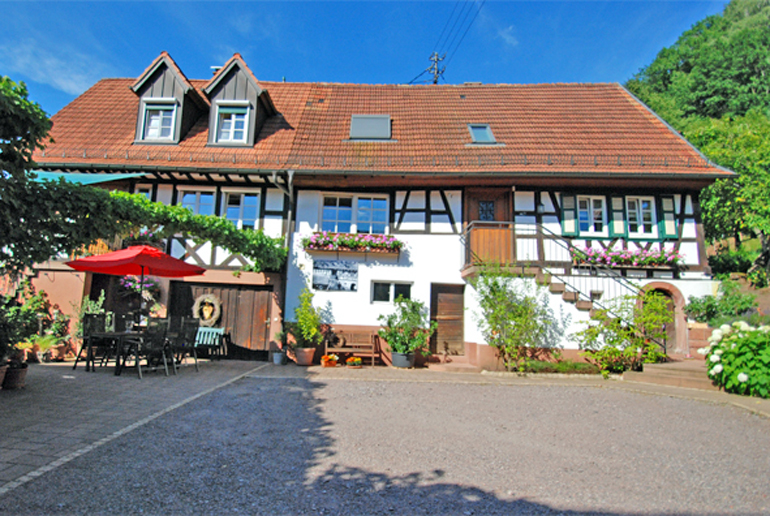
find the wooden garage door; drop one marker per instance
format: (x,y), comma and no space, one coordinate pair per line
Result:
(447,309)
(245,309)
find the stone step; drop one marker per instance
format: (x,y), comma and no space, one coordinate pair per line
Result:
(690,374)
(557,288)
(453,364)
(596,294)
(584,305)
(569,297)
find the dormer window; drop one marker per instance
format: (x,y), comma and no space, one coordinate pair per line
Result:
(159,119)
(481,133)
(232,123)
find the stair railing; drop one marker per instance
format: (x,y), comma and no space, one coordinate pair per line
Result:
(534,245)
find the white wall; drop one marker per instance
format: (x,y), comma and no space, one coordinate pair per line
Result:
(425,259)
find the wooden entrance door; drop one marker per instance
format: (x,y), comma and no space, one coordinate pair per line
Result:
(245,310)
(447,308)
(488,205)
(490,238)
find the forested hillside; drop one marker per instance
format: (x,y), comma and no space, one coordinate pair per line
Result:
(713,85)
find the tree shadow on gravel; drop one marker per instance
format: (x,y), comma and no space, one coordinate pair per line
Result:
(257,446)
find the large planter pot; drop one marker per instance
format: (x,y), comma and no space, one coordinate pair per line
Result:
(402,360)
(15,377)
(304,356)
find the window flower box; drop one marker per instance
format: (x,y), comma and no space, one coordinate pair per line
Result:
(625,258)
(361,243)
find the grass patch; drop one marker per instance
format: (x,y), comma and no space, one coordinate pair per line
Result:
(563,367)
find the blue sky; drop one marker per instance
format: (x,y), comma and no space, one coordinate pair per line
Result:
(61,48)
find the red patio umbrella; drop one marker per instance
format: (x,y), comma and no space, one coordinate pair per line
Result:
(137,260)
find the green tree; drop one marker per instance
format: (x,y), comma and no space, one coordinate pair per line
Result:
(515,317)
(713,85)
(41,220)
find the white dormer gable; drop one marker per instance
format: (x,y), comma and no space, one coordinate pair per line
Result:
(239,105)
(168,103)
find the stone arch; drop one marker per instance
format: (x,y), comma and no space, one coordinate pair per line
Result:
(681,341)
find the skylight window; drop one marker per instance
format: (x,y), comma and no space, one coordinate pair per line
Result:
(481,133)
(370,127)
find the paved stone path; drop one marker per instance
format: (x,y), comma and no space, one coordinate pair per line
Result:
(440,443)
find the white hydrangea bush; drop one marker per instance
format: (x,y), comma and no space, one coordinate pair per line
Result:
(738,358)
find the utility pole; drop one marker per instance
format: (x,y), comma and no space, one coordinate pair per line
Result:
(434,57)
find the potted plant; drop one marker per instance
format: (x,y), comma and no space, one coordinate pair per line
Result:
(406,331)
(279,355)
(329,360)
(307,330)
(354,363)
(16,374)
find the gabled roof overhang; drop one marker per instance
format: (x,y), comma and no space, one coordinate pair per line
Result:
(164,59)
(237,62)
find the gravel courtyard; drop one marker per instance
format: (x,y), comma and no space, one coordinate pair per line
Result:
(282,442)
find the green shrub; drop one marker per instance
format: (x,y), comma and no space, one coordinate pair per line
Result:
(627,335)
(758,277)
(730,302)
(515,317)
(307,330)
(727,261)
(408,329)
(562,367)
(739,359)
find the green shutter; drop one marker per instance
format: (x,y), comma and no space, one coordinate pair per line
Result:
(666,217)
(617,211)
(228,110)
(569,219)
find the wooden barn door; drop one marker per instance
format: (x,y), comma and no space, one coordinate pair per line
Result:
(245,310)
(447,309)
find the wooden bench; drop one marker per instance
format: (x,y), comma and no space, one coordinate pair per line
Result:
(352,343)
(211,339)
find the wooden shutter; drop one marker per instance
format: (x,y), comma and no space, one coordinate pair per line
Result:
(666,217)
(569,219)
(618,223)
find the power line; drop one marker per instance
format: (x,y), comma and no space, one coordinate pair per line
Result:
(462,23)
(454,25)
(435,46)
(452,54)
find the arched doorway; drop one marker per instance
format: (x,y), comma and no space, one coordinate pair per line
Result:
(676,332)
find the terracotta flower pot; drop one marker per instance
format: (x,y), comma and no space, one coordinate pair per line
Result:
(304,356)
(329,363)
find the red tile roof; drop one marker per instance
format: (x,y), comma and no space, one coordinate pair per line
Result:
(549,128)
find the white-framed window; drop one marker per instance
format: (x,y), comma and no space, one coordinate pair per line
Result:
(641,216)
(387,292)
(481,133)
(200,202)
(241,208)
(158,120)
(144,190)
(231,124)
(354,214)
(592,215)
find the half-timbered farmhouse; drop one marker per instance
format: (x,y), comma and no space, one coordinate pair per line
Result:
(520,175)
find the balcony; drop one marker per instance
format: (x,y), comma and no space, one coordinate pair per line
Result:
(532,247)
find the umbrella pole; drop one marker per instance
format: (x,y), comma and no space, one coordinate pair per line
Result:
(141,293)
